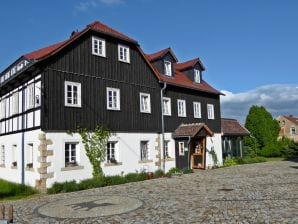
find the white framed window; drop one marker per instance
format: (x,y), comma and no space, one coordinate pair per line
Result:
(71,154)
(14,155)
(197,110)
(2,108)
(210,111)
(197,77)
(181,108)
(181,148)
(144,150)
(168,68)
(30,96)
(15,103)
(72,94)
(166,147)
(123,53)
(2,155)
(293,131)
(145,104)
(112,152)
(98,47)
(166,106)
(113,98)
(29,155)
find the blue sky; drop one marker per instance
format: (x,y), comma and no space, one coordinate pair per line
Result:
(244,45)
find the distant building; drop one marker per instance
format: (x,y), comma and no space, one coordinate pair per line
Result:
(232,138)
(288,127)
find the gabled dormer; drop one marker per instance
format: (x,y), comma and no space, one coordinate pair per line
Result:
(192,68)
(164,61)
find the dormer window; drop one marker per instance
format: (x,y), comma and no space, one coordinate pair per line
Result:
(197,77)
(168,68)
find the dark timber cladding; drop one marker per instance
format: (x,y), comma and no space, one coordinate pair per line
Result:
(76,63)
(190,96)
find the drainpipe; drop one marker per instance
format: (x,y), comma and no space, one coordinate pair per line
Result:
(163,128)
(23,136)
(188,142)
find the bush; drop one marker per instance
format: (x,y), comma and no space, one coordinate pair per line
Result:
(91,183)
(114,180)
(158,174)
(10,189)
(229,162)
(134,177)
(187,170)
(174,170)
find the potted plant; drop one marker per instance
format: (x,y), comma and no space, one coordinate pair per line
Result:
(15,164)
(29,165)
(113,160)
(71,163)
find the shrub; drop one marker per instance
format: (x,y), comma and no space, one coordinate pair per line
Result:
(91,183)
(174,170)
(187,170)
(114,180)
(132,177)
(158,174)
(70,186)
(229,162)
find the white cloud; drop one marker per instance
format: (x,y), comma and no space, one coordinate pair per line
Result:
(277,99)
(87,4)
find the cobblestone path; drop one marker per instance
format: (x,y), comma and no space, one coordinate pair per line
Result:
(257,193)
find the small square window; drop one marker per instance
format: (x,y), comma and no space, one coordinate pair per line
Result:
(72,94)
(181,108)
(98,47)
(197,109)
(167,106)
(210,111)
(113,99)
(145,105)
(168,68)
(197,77)
(123,53)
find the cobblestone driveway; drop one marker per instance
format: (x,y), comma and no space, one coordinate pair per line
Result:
(258,193)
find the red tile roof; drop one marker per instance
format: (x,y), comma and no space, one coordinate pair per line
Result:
(157,55)
(97,26)
(293,119)
(232,127)
(189,64)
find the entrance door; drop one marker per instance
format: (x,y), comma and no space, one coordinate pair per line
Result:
(198,152)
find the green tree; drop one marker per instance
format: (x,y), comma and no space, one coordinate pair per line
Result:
(95,143)
(263,128)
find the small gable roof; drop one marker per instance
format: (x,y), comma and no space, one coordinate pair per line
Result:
(160,54)
(189,64)
(232,127)
(191,130)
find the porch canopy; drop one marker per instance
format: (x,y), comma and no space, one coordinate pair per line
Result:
(192,130)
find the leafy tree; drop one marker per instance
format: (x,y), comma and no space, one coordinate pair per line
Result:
(95,145)
(263,128)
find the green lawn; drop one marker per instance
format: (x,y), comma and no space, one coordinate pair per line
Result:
(270,159)
(9,190)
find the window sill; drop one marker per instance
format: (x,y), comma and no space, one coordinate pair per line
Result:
(181,116)
(71,105)
(146,161)
(29,169)
(114,109)
(170,159)
(167,115)
(127,62)
(113,164)
(69,168)
(2,166)
(99,55)
(145,112)
(14,167)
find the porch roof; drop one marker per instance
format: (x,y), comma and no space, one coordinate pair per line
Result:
(192,130)
(231,127)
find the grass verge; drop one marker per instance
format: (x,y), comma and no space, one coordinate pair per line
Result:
(9,190)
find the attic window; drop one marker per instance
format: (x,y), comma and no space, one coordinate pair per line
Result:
(98,47)
(123,53)
(168,68)
(197,77)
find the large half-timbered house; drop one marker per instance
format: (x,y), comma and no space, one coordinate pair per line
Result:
(161,112)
